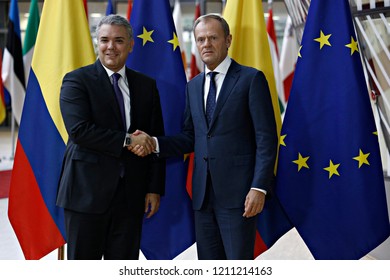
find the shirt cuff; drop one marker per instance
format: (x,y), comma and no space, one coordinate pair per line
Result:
(157,150)
(260,190)
(124,141)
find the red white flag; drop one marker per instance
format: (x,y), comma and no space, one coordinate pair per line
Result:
(288,57)
(196,63)
(129,8)
(177,18)
(275,60)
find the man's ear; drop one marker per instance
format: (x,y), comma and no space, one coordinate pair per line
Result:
(131,45)
(228,41)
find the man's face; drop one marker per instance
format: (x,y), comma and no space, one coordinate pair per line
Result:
(211,42)
(114,45)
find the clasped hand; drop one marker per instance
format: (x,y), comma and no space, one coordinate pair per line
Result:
(142,144)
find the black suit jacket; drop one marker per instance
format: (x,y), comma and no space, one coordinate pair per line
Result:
(95,153)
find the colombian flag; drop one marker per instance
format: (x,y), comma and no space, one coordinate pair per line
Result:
(63,44)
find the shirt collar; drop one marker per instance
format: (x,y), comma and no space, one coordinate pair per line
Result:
(222,68)
(122,72)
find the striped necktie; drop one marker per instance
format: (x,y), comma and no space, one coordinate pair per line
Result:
(211,97)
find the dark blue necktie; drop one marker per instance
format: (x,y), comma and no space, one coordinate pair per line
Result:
(211,97)
(119,98)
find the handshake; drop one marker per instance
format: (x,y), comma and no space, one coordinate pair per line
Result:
(142,144)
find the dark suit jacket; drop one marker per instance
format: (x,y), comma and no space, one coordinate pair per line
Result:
(94,152)
(240,145)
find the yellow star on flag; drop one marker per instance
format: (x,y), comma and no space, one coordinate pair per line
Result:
(146,36)
(323,39)
(362,158)
(301,162)
(174,41)
(353,46)
(332,169)
(282,140)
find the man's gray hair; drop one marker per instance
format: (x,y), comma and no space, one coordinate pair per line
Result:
(205,18)
(115,20)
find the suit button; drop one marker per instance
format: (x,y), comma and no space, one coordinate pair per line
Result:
(205,159)
(208,136)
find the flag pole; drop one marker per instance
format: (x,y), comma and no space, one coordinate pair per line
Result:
(13,120)
(61,251)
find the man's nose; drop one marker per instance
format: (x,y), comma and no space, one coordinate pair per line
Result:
(207,41)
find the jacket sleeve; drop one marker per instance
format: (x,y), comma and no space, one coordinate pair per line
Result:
(263,119)
(88,120)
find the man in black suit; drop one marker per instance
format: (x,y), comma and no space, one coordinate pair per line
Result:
(104,188)
(235,141)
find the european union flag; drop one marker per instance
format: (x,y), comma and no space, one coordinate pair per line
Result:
(157,54)
(330,178)
(110,8)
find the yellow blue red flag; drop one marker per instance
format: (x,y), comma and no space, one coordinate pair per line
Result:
(63,44)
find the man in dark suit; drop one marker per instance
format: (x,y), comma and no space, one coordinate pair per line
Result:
(235,141)
(104,188)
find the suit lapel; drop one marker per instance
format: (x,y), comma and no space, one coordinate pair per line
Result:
(132,90)
(106,88)
(199,90)
(230,80)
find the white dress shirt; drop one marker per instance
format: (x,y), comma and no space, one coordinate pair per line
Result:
(222,69)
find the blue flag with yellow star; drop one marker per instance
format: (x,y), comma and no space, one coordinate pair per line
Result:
(330,178)
(157,53)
